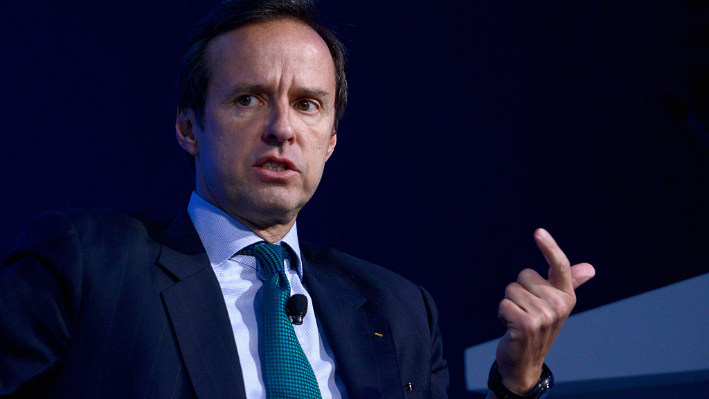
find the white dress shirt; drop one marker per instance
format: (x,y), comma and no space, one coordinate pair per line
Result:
(241,279)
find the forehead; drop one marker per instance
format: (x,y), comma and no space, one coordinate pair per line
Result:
(283,50)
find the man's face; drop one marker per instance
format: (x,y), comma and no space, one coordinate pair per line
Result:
(268,121)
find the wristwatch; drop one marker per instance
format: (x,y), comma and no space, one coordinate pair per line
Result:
(540,391)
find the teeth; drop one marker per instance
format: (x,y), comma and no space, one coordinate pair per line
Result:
(274,167)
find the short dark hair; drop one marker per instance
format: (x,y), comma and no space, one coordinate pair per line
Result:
(193,76)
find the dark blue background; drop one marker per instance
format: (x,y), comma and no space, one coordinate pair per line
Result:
(471,124)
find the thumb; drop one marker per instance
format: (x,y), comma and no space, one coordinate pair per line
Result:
(581,273)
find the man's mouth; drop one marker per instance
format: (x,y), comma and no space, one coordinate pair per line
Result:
(274,166)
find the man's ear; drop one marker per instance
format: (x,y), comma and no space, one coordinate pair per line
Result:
(331,145)
(185,130)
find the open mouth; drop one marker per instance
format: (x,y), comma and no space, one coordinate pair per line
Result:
(274,166)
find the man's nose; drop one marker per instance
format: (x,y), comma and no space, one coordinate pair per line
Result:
(280,128)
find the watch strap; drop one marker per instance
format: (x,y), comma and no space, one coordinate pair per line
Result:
(540,390)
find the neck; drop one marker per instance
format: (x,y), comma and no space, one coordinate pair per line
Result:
(271,229)
(271,234)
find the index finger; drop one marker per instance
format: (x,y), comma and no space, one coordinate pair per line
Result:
(559,266)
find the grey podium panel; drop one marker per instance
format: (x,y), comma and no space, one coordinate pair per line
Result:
(657,339)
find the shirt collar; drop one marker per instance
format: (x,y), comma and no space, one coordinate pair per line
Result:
(223,236)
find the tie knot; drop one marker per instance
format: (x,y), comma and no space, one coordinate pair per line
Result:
(270,256)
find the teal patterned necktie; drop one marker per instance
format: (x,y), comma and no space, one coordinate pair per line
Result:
(286,371)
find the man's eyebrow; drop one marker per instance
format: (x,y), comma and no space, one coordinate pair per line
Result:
(321,95)
(242,88)
(247,88)
(315,93)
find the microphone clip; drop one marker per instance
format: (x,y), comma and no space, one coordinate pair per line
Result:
(296,308)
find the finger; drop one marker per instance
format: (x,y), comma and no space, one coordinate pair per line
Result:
(519,295)
(581,273)
(509,312)
(533,282)
(559,267)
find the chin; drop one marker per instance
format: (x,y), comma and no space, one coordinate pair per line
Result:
(276,207)
(280,200)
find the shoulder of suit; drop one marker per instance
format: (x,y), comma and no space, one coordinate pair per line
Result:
(320,254)
(334,262)
(111,217)
(79,242)
(96,225)
(110,220)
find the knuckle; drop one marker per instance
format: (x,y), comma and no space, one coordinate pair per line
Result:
(504,311)
(526,275)
(532,324)
(511,289)
(548,316)
(559,306)
(504,306)
(562,304)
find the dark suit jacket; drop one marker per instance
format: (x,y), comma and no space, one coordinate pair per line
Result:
(99,304)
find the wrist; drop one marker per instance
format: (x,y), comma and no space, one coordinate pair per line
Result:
(519,384)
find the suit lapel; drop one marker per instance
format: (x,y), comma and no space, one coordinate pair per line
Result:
(361,340)
(198,315)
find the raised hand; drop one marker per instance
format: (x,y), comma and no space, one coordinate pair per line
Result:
(534,309)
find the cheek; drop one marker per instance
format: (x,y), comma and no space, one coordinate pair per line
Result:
(227,147)
(317,158)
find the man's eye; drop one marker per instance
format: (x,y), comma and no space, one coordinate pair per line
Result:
(247,101)
(306,106)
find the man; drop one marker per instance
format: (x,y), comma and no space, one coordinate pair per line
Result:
(102,304)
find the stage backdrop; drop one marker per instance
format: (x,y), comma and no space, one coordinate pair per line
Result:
(471,124)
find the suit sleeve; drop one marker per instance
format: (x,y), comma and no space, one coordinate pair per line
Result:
(40,287)
(439,366)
